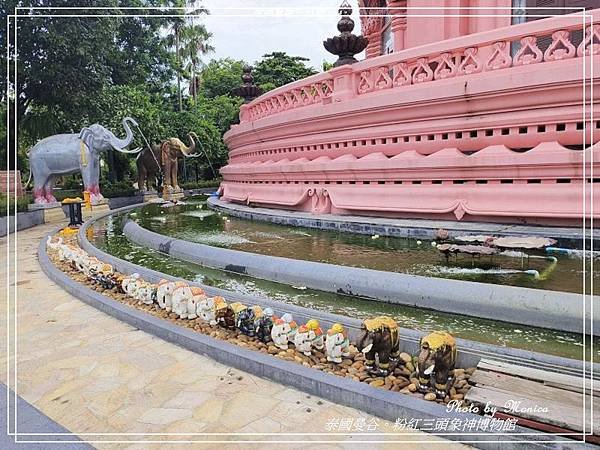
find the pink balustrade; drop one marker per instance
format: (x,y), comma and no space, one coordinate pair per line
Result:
(462,56)
(488,126)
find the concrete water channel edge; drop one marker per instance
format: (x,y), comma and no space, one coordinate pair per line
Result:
(385,404)
(403,228)
(533,307)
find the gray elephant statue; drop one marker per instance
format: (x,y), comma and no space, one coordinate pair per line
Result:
(65,154)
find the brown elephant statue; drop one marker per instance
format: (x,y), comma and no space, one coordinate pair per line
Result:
(149,166)
(163,158)
(436,361)
(379,336)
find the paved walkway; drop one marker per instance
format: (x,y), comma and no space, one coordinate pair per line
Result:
(31,420)
(92,374)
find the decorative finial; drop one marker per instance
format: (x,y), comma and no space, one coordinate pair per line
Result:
(346,45)
(248,90)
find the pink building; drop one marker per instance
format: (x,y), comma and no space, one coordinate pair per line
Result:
(475,116)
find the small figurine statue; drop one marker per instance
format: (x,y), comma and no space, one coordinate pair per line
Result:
(316,334)
(165,292)
(106,277)
(179,300)
(287,317)
(303,340)
(246,319)
(129,283)
(144,293)
(380,336)
(279,333)
(206,309)
(283,331)
(437,357)
(336,343)
(193,302)
(263,325)
(224,314)
(237,309)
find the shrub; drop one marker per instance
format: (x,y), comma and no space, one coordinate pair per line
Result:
(118,189)
(202,184)
(7,205)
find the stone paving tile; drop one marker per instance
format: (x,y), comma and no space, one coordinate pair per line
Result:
(94,374)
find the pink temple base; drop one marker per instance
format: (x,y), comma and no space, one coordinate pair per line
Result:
(463,129)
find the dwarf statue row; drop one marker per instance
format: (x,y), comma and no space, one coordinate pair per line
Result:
(380,342)
(95,270)
(436,361)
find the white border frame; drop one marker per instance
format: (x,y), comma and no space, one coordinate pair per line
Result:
(272,12)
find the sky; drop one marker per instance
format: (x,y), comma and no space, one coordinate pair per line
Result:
(297,27)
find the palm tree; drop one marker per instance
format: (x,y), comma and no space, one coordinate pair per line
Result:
(194,40)
(177,25)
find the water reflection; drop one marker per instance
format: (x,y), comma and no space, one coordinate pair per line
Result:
(195,223)
(108,236)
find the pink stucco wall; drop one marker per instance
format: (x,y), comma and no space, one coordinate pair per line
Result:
(488,127)
(419,22)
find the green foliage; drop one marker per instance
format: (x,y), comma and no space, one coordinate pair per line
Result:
(222,111)
(278,68)
(221,76)
(117,189)
(73,183)
(7,206)
(76,71)
(327,65)
(214,183)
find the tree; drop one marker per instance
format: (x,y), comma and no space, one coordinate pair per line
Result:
(176,30)
(195,44)
(278,68)
(221,76)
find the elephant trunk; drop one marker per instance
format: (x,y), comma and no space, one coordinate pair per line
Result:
(120,144)
(189,151)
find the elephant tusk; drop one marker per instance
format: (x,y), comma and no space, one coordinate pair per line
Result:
(429,370)
(137,150)
(367,349)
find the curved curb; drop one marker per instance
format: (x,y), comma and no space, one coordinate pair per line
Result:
(378,402)
(469,352)
(533,307)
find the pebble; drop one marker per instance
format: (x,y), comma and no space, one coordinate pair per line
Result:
(377,383)
(402,380)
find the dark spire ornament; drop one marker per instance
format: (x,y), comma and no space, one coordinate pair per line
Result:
(346,45)
(248,90)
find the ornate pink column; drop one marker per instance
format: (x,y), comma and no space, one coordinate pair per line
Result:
(398,9)
(371,26)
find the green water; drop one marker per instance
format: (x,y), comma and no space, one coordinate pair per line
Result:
(196,223)
(107,235)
